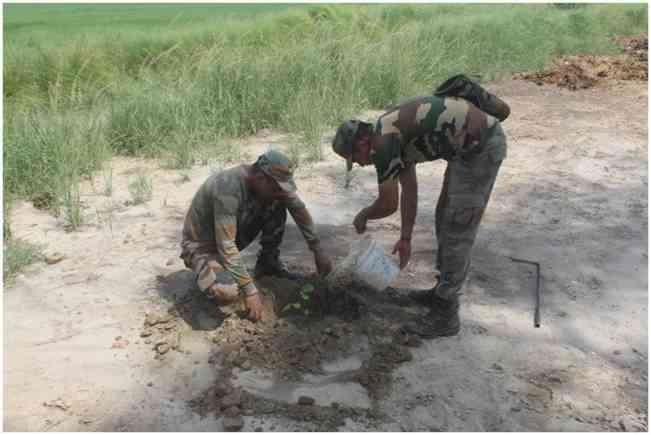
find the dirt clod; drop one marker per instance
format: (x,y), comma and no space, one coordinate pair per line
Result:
(162,348)
(152,319)
(54,258)
(233,424)
(306,400)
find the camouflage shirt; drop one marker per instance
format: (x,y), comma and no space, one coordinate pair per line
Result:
(428,128)
(219,209)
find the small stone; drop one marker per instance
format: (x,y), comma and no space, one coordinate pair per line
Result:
(233,424)
(54,258)
(498,367)
(147,341)
(169,262)
(306,400)
(163,348)
(150,384)
(515,409)
(555,379)
(146,333)
(622,425)
(617,352)
(233,411)
(246,365)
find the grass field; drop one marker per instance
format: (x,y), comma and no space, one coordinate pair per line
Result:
(84,82)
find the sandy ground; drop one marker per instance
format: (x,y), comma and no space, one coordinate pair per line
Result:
(571,195)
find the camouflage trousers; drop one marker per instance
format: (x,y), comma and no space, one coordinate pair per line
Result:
(212,278)
(467,187)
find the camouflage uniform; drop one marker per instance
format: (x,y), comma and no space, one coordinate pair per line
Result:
(223,219)
(432,127)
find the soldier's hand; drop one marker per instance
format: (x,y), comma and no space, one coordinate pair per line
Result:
(360,222)
(403,248)
(322,262)
(253,305)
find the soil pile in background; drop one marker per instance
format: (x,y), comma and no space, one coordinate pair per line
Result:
(585,71)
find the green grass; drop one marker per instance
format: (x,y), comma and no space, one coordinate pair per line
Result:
(173,81)
(17,255)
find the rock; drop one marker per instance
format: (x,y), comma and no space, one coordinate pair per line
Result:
(150,384)
(306,400)
(497,367)
(233,411)
(246,365)
(232,399)
(233,424)
(54,258)
(617,352)
(555,379)
(146,333)
(147,341)
(58,403)
(516,409)
(169,262)
(162,348)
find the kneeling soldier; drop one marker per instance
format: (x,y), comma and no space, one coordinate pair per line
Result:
(228,212)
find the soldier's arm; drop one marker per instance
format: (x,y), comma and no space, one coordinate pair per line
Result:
(387,201)
(228,254)
(408,200)
(303,219)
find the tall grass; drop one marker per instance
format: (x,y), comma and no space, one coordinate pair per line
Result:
(185,84)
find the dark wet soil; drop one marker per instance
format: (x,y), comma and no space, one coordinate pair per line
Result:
(306,323)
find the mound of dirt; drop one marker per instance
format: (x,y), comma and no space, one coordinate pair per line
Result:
(292,343)
(585,71)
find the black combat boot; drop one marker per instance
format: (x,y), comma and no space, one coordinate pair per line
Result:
(269,264)
(442,320)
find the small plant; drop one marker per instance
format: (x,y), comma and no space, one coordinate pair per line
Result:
(17,255)
(302,305)
(140,189)
(71,204)
(6,223)
(108,183)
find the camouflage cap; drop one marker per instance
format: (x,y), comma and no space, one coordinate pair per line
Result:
(276,165)
(344,140)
